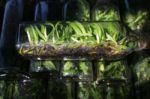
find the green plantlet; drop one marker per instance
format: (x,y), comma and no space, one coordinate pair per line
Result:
(105,13)
(71,37)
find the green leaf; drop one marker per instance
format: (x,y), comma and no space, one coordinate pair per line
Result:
(109,38)
(75,28)
(97,31)
(85,67)
(69,68)
(30,36)
(40,34)
(50,25)
(81,27)
(49,65)
(44,31)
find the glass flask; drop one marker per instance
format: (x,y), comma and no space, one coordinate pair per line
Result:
(104,10)
(76,10)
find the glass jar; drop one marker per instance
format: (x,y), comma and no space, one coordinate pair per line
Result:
(113,89)
(39,65)
(9,83)
(58,89)
(78,75)
(80,69)
(37,87)
(41,85)
(141,74)
(76,10)
(135,16)
(104,10)
(116,69)
(86,90)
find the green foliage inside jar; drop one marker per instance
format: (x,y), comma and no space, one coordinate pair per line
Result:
(72,38)
(104,10)
(136,20)
(105,13)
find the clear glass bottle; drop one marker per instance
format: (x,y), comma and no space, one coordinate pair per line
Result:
(76,10)
(104,10)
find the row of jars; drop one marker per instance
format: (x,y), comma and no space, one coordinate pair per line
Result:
(80,10)
(106,10)
(37,86)
(83,69)
(73,84)
(68,79)
(112,80)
